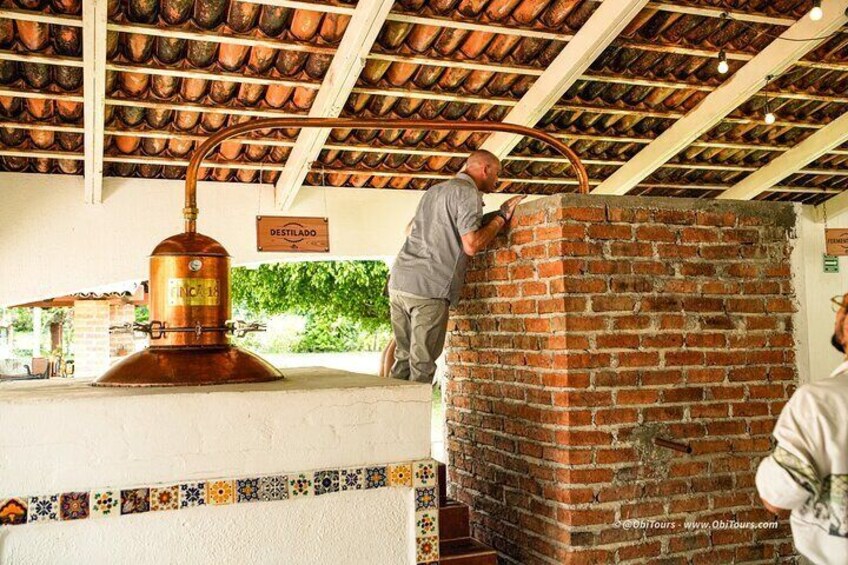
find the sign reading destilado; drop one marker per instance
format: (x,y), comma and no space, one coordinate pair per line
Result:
(289,233)
(836,241)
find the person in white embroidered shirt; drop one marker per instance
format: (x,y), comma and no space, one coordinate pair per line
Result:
(807,472)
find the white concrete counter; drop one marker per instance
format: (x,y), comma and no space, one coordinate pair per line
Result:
(66,436)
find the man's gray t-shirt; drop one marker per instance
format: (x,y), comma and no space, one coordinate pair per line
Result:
(432,262)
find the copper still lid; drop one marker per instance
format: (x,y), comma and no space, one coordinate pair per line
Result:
(192,243)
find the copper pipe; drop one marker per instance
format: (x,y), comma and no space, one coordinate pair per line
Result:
(681,447)
(190,211)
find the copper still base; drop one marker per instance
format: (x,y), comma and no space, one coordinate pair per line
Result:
(189,366)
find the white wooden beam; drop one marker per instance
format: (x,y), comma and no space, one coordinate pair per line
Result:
(829,137)
(361,32)
(745,83)
(94,95)
(593,37)
(834,207)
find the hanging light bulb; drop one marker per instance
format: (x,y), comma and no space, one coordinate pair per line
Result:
(816,13)
(723,67)
(770,118)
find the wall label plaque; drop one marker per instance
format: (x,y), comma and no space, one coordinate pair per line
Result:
(831,264)
(193,292)
(292,233)
(836,241)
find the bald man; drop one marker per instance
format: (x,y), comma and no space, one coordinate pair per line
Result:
(429,271)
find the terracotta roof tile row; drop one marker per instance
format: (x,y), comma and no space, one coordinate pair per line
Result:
(180,69)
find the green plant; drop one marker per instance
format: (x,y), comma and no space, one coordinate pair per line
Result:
(323,335)
(328,289)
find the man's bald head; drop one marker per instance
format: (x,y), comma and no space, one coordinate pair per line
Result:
(484,168)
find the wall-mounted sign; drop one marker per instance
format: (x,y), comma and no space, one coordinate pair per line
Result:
(831,264)
(836,241)
(193,292)
(289,233)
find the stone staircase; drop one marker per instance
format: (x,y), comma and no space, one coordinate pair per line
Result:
(456,546)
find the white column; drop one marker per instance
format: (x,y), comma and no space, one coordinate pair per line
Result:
(36,332)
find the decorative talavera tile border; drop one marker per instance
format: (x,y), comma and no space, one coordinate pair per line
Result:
(419,476)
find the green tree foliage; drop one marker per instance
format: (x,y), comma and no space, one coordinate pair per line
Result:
(322,335)
(329,291)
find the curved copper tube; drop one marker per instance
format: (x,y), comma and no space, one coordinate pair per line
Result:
(190,210)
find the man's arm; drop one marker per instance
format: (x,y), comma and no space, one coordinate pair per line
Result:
(478,240)
(787,478)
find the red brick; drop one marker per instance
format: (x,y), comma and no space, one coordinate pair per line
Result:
(655,233)
(581,214)
(686,327)
(610,231)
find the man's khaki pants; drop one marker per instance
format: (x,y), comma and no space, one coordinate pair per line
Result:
(419,326)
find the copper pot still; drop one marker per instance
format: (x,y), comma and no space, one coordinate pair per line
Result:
(190,304)
(191,325)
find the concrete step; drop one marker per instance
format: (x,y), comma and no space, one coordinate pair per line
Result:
(453,521)
(466,551)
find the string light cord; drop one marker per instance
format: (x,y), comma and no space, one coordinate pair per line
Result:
(727,16)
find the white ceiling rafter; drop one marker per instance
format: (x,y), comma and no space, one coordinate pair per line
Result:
(569,65)
(793,161)
(348,62)
(778,56)
(94,95)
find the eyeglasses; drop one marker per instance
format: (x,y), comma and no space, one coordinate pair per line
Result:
(836,302)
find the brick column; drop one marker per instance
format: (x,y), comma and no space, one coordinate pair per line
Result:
(90,345)
(120,343)
(595,326)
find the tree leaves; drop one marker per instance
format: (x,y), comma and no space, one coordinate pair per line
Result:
(330,290)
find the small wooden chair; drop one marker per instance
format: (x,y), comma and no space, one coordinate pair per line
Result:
(39,368)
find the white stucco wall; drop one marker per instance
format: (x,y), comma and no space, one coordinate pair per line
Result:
(63,436)
(58,436)
(52,243)
(359,527)
(814,288)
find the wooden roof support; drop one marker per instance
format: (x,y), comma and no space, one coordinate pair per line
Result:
(29,15)
(424,94)
(359,37)
(793,161)
(94,95)
(262,166)
(834,207)
(706,11)
(567,68)
(747,81)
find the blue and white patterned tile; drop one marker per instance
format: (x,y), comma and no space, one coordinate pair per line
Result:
(164,498)
(43,508)
(274,487)
(74,505)
(105,504)
(326,482)
(427,523)
(247,490)
(426,498)
(424,473)
(300,486)
(352,479)
(192,494)
(13,511)
(375,477)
